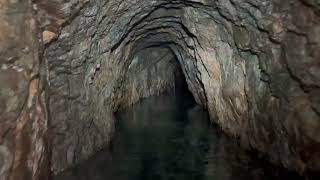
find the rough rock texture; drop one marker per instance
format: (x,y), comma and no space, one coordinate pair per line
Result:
(23,113)
(151,72)
(82,111)
(253,64)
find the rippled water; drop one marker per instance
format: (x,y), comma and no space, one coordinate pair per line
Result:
(170,138)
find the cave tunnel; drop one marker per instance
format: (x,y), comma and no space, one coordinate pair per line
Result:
(70,69)
(159,63)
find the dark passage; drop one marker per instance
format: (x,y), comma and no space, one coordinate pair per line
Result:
(170,138)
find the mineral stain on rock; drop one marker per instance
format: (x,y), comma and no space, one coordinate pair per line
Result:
(253,65)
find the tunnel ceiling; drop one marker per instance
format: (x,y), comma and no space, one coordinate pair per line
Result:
(254,65)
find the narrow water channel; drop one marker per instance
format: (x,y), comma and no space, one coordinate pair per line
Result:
(170,138)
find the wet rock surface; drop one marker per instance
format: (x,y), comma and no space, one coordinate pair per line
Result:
(253,64)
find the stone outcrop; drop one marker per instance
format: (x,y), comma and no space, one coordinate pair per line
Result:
(253,64)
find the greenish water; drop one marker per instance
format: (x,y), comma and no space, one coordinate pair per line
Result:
(170,138)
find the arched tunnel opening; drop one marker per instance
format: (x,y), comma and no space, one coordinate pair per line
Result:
(156,70)
(73,71)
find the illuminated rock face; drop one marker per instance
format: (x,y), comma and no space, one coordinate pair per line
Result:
(253,64)
(23,112)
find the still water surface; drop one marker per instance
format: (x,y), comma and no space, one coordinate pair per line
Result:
(170,138)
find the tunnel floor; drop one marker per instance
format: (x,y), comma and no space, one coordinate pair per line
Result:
(170,138)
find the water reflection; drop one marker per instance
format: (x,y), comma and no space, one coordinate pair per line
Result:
(169,138)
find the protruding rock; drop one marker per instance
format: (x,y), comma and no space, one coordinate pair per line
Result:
(48,36)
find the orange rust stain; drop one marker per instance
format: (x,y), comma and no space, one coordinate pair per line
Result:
(215,70)
(22,137)
(33,89)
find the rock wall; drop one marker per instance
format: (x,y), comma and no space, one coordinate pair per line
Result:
(262,83)
(24,151)
(253,64)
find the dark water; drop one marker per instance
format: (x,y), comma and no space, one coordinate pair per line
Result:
(169,138)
